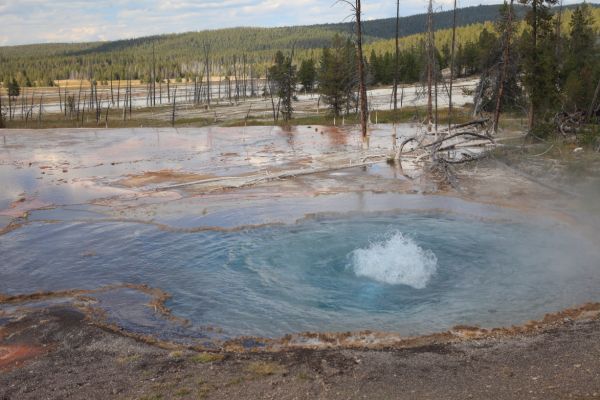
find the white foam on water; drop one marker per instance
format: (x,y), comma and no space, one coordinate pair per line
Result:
(397,260)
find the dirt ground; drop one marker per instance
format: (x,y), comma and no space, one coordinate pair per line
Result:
(57,354)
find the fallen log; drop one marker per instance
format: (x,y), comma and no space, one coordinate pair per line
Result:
(233,182)
(455,135)
(480,122)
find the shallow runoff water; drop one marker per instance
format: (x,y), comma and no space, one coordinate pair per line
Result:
(411,273)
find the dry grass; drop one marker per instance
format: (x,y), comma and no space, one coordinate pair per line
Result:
(204,358)
(265,368)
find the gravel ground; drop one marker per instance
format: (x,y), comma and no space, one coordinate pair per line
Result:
(57,353)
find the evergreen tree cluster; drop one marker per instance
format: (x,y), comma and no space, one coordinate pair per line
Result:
(559,72)
(283,78)
(337,76)
(180,56)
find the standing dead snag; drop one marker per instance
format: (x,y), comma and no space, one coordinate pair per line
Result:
(361,73)
(452,63)
(112,95)
(207,66)
(153,85)
(1,113)
(174,104)
(505,62)
(355,6)
(430,60)
(60,103)
(397,61)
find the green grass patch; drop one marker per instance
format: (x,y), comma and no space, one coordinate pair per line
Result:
(407,114)
(204,358)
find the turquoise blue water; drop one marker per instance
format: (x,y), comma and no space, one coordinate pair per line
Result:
(408,273)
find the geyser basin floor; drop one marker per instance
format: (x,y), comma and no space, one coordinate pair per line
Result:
(407,273)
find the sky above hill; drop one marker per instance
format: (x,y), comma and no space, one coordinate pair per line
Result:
(43,21)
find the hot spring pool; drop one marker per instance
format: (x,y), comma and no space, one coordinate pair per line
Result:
(407,273)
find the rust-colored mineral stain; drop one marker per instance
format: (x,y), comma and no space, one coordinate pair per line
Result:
(161,177)
(14,355)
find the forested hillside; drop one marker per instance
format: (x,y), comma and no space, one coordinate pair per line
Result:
(386,28)
(182,55)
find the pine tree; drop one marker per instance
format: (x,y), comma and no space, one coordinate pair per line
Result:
(307,74)
(13,88)
(337,72)
(540,67)
(283,74)
(581,67)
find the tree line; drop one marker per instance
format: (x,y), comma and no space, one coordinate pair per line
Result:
(546,64)
(179,56)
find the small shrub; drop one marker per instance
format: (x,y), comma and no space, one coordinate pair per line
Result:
(590,137)
(543,129)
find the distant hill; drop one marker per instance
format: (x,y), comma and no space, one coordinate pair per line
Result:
(386,28)
(178,54)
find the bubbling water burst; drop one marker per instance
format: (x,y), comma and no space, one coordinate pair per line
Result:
(397,260)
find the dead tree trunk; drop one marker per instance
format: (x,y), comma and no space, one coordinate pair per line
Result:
(244,76)
(252,92)
(207,64)
(220,81)
(435,65)
(452,50)
(505,63)
(83,109)
(173,111)
(98,106)
(119,92)
(1,113)
(270,85)
(106,116)
(40,110)
(66,99)
(125,105)
(397,62)
(535,61)
(79,98)
(430,55)
(9,107)
(23,99)
(112,95)
(130,97)
(593,103)
(60,100)
(362,84)
(153,99)
(235,76)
